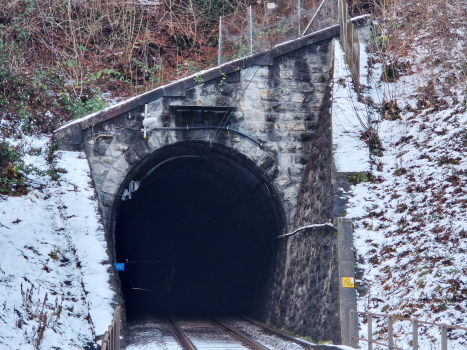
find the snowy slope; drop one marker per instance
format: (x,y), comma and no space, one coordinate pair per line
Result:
(410,221)
(54,290)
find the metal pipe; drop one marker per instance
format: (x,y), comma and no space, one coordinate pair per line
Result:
(182,128)
(102,136)
(219,53)
(251,30)
(299,13)
(370,331)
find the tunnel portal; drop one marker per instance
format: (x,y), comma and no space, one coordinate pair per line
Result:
(198,234)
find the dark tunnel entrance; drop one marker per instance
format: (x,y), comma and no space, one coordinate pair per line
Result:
(198,234)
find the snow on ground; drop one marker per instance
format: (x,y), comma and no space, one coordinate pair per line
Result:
(54,290)
(410,221)
(351,154)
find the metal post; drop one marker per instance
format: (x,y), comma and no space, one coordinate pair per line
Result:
(347,294)
(444,337)
(350,328)
(390,333)
(313,18)
(251,29)
(370,331)
(299,13)
(219,54)
(415,334)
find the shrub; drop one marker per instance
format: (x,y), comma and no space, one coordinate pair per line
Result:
(12,181)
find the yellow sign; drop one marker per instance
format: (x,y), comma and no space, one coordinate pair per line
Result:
(348,282)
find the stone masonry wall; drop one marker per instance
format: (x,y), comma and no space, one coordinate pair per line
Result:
(283,106)
(277,105)
(304,291)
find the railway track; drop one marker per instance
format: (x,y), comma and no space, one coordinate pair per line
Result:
(210,334)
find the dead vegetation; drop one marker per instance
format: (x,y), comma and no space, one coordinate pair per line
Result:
(57,57)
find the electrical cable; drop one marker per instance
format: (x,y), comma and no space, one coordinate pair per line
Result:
(184,128)
(239,99)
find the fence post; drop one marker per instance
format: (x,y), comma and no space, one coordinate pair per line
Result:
(444,337)
(219,54)
(299,13)
(111,338)
(370,331)
(251,29)
(347,293)
(415,334)
(118,323)
(390,333)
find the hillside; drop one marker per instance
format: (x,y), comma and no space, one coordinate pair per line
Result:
(409,212)
(62,60)
(54,267)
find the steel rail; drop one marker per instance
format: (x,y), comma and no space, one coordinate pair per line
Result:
(187,344)
(240,337)
(182,338)
(375,342)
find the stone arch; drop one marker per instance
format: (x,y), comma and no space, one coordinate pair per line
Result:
(247,214)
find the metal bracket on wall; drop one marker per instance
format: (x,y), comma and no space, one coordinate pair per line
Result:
(132,187)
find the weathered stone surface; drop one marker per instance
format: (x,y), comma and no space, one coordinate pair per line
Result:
(121,165)
(298,98)
(297,126)
(279,106)
(282,181)
(270,95)
(305,87)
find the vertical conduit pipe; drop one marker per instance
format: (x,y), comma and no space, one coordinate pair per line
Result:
(370,331)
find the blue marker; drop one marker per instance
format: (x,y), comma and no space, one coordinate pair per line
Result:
(119,266)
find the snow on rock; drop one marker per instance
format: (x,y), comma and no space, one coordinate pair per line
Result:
(54,290)
(351,154)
